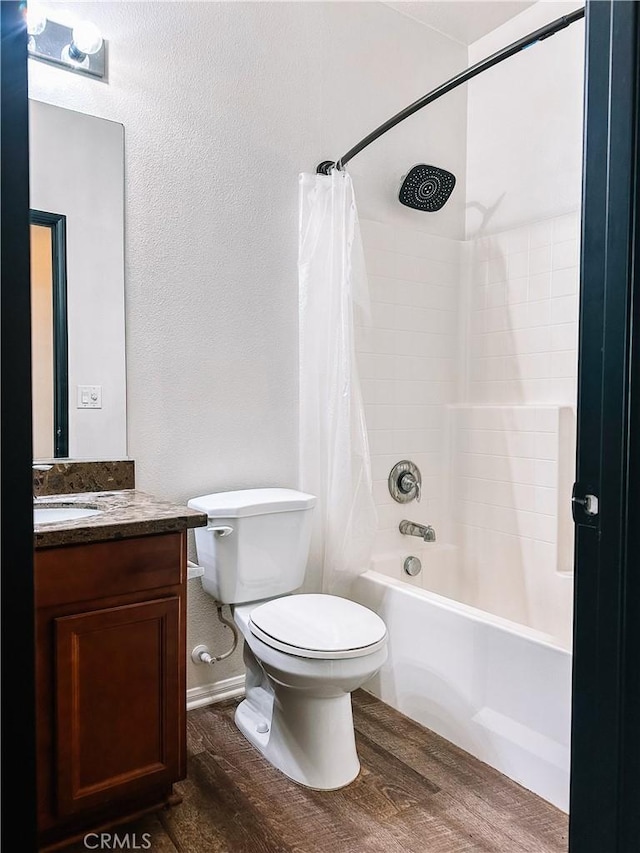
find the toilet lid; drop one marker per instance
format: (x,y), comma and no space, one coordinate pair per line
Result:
(320,626)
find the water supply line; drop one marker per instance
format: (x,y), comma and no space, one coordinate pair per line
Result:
(201,653)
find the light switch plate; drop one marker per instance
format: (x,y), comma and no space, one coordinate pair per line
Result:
(89,397)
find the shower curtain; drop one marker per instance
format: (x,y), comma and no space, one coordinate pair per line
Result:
(334,451)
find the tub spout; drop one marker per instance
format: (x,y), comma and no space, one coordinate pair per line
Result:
(411,528)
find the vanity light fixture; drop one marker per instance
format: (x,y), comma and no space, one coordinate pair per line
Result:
(79,48)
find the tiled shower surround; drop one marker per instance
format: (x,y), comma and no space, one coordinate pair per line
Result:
(468,367)
(408,360)
(521,306)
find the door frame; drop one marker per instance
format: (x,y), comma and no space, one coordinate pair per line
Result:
(605,747)
(16,487)
(57,224)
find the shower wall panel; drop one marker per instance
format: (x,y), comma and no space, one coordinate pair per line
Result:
(469,363)
(522,306)
(408,360)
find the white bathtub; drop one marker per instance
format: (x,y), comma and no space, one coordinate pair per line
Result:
(498,689)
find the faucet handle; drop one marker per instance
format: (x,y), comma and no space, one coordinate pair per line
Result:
(408,483)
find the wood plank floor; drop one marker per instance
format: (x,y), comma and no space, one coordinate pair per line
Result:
(416,793)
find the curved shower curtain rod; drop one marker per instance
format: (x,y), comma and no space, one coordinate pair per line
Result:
(550,29)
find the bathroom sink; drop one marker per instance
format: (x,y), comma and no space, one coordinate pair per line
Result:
(55,513)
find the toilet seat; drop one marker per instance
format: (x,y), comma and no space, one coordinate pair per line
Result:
(312,625)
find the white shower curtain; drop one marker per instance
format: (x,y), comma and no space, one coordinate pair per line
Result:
(334,451)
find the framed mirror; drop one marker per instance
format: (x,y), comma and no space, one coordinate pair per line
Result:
(77,284)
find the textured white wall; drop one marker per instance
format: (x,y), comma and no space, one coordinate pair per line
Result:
(524,151)
(223,104)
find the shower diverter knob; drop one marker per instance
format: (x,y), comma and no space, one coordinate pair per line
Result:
(405,482)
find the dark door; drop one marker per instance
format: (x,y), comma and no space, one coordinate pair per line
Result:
(18,714)
(605,801)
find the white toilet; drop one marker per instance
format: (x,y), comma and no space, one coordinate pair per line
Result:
(304,653)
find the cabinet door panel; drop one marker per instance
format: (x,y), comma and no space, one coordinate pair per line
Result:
(117,673)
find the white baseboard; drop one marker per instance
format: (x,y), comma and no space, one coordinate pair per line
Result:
(207,694)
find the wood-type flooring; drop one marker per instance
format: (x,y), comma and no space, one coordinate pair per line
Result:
(416,793)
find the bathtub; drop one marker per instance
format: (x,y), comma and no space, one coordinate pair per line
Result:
(498,689)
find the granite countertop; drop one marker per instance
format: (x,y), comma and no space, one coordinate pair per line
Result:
(124,513)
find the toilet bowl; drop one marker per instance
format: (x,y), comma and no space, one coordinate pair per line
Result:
(304,653)
(297,710)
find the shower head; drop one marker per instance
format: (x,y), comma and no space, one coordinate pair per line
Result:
(426,187)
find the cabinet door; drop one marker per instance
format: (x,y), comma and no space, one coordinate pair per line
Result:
(118,714)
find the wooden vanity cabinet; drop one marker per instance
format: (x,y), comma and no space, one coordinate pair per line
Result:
(110,681)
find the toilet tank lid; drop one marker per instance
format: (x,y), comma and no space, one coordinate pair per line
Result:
(251,502)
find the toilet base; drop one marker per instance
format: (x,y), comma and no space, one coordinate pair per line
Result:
(308,738)
(319,755)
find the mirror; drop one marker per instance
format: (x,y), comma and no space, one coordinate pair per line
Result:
(77,284)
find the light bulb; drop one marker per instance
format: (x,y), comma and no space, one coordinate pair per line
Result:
(85,41)
(86,38)
(36,20)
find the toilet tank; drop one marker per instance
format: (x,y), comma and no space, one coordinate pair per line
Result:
(256,543)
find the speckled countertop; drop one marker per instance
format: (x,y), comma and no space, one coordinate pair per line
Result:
(123,513)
